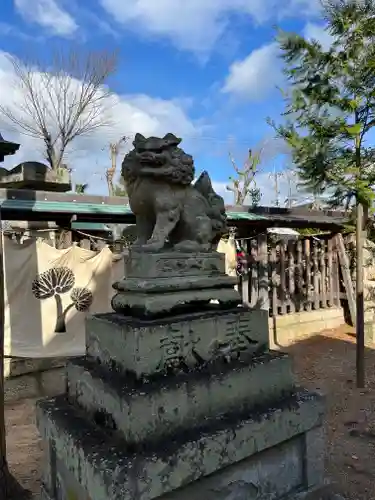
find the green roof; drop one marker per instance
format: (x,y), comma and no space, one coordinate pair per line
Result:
(90,226)
(64,207)
(245,216)
(73,207)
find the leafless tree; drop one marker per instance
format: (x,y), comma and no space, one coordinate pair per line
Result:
(244,185)
(62,99)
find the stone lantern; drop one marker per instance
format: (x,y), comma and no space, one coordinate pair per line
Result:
(31,175)
(7,148)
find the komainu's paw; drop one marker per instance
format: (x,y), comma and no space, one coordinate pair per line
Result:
(153,246)
(188,246)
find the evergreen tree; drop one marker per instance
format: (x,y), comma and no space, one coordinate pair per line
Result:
(330,113)
(81,188)
(331,105)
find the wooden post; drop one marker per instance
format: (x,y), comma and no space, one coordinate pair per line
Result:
(347,279)
(263,289)
(3,455)
(253,274)
(100,245)
(307,258)
(299,269)
(336,269)
(85,243)
(360,302)
(291,274)
(245,285)
(316,275)
(323,273)
(330,272)
(283,296)
(65,239)
(275,309)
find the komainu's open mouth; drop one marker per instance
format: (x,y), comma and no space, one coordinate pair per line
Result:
(149,157)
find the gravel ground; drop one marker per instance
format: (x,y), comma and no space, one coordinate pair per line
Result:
(23,444)
(325,362)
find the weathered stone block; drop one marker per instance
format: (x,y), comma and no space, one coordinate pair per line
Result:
(173,264)
(147,347)
(158,283)
(268,475)
(314,458)
(105,469)
(36,176)
(168,405)
(166,285)
(152,304)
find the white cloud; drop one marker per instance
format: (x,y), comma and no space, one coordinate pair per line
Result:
(318,33)
(197,25)
(260,72)
(9,30)
(89,156)
(48,14)
(303,8)
(255,76)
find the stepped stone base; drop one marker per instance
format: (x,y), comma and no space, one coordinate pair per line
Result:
(269,453)
(174,264)
(159,283)
(146,412)
(174,405)
(152,304)
(319,493)
(147,347)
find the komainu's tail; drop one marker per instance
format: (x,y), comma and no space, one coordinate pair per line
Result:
(204,185)
(216,206)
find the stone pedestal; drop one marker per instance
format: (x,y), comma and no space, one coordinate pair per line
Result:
(181,399)
(35,176)
(167,282)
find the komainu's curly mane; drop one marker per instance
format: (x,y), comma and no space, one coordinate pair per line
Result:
(158,158)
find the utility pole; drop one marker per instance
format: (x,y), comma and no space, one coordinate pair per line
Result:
(290,177)
(275,176)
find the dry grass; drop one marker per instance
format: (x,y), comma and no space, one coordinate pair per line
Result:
(325,362)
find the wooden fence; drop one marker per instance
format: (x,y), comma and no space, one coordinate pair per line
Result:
(301,275)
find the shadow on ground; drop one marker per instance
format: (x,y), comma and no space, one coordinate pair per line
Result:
(326,362)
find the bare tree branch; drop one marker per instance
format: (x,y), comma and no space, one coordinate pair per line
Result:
(244,185)
(114,149)
(63,100)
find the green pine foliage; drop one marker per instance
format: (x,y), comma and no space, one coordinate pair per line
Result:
(81,188)
(330,104)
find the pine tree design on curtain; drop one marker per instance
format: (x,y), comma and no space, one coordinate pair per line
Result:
(57,281)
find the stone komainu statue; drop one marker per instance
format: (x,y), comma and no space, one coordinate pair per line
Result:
(169,210)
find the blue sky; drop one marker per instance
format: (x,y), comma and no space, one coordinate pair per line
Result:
(206,70)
